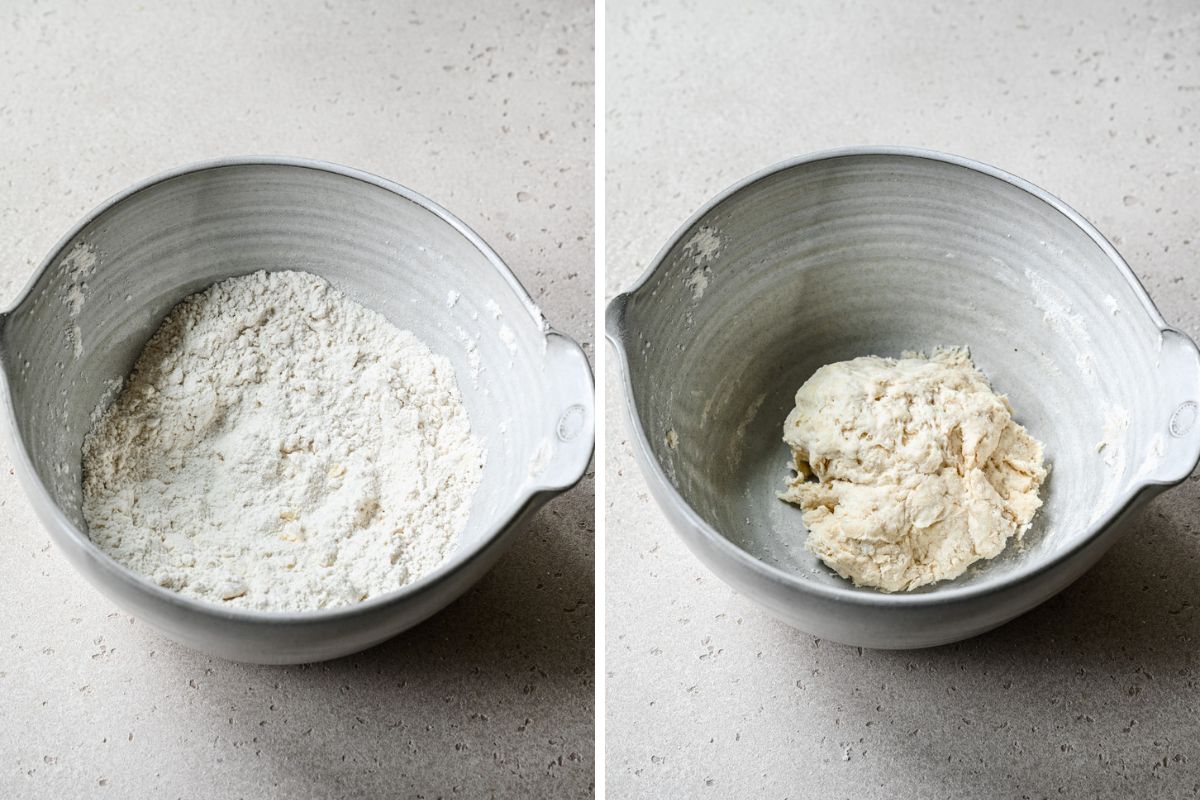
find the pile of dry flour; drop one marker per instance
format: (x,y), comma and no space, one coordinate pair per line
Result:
(280,447)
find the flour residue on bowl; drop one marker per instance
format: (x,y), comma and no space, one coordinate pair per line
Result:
(703,245)
(108,393)
(1111,448)
(701,248)
(1112,443)
(470,345)
(706,412)
(506,334)
(737,445)
(77,265)
(509,339)
(1154,457)
(1058,315)
(541,458)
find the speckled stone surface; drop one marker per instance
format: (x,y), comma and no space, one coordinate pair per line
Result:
(1094,694)
(491,115)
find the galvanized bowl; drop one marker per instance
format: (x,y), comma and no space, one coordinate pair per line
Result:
(878,251)
(77,329)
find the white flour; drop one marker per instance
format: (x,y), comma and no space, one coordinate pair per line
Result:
(78,264)
(280,447)
(703,247)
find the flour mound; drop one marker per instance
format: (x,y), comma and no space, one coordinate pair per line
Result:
(909,470)
(279,447)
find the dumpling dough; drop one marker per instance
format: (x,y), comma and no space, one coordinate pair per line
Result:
(909,470)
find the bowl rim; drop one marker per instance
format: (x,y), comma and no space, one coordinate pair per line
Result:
(945,592)
(531,496)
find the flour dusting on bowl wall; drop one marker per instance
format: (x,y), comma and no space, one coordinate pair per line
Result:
(297,274)
(885,252)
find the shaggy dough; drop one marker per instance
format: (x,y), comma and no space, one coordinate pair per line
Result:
(909,470)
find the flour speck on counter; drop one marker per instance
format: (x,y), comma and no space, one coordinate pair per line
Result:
(279,447)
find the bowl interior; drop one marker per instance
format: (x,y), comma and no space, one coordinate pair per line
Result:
(78,331)
(880,254)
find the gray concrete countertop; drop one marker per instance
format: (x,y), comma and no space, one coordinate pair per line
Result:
(1094,694)
(486,108)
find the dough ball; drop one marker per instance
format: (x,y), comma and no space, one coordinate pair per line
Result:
(909,470)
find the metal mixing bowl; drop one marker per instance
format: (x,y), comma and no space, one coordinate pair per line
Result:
(878,251)
(77,330)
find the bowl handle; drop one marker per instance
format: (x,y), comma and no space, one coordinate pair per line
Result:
(566,452)
(1179,372)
